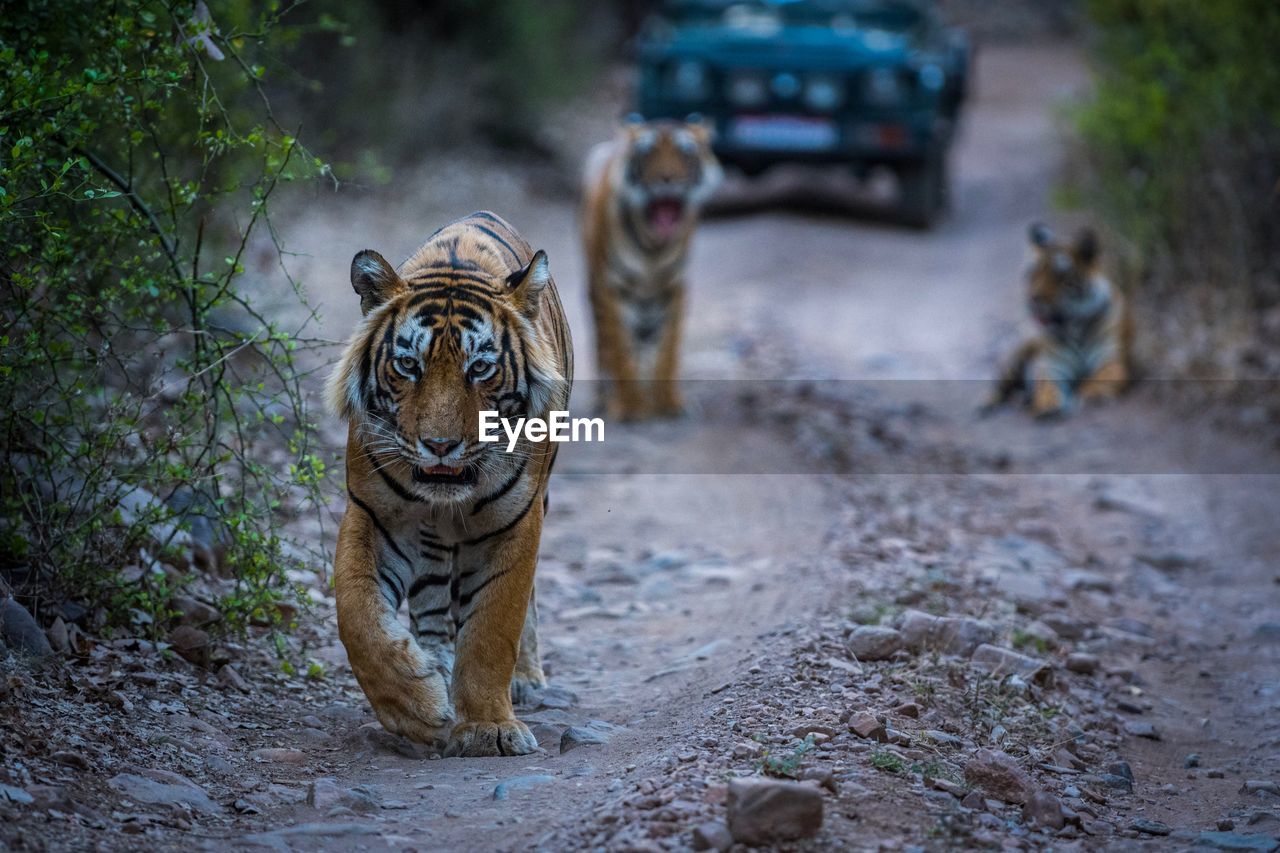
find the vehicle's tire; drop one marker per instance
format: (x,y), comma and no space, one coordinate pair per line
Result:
(924,193)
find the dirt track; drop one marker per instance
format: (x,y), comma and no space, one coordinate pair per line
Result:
(699,578)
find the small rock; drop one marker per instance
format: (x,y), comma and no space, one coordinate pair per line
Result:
(866,725)
(576,736)
(956,635)
(11,794)
(1044,809)
(1226,824)
(1237,841)
(999,775)
(503,790)
(230,677)
(873,642)
(1168,561)
(823,776)
(160,787)
(19,631)
(1141,728)
(1085,664)
(974,800)
(324,794)
(766,811)
(908,709)
(191,643)
(712,835)
(1215,773)
(1260,786)
(1192,760)
(1150,827)
(275,755)
(1001,662)
(1065,625)
(71,759)
(1082,580)
(822,732)
(193,611)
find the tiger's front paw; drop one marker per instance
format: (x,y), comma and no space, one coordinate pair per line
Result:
(415,708)
(484,738)
(526,685)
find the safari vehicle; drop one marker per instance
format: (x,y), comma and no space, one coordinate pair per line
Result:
(863,83)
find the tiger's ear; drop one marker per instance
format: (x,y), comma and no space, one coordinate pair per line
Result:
(1039,235)
(702,128)
(1086,248)
(373,279)
(527,284)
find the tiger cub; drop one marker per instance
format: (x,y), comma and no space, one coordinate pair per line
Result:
(470,323)
(1085,339)
(643,193)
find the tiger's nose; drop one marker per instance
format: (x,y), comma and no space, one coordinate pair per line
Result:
(441,446)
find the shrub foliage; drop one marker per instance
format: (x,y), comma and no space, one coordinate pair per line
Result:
(141,388)
(1182,143)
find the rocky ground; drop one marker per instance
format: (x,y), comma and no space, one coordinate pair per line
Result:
(831,609)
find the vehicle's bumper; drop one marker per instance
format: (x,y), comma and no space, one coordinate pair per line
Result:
(758,140)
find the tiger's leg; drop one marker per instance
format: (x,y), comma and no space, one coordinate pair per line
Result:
(1050,388)
(622,400)
(528,677)
(1013,381)
(1106,382)
(493,604)
(400,680)
(431,604)
(666,389)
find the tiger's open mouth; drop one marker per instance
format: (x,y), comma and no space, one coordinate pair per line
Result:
(664,216)
(444,475)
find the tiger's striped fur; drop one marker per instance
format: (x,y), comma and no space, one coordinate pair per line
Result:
(470,322)
(643,193)
(1083,349)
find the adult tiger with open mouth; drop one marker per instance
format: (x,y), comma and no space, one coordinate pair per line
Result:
(643,193)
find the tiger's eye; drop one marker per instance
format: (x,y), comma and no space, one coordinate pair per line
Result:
(407,364)
(481,370)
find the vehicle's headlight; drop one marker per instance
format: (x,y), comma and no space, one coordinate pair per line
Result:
(748,90)
(823,93)
(932,78)
(689,80)
(882,86)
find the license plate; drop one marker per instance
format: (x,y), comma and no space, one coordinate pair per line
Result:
(783,133)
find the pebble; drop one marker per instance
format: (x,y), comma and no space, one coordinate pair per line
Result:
(1140,728)
(999,775)
(1260,786)
(956,635)
(873,642)
(1080,662)
(712,835)
(503,790)
(766,811)
(1192,760)
(19,631)
(160,787)
(325,794)
(1237,841)
(1044,809)
(1002,662)
(866,725)
(275,755)
(191,643)
(1150,827)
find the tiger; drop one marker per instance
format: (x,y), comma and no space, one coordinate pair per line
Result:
(1086,332)
(642,195)
(471,322)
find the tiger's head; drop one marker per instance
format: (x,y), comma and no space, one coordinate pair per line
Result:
(668,173)
(427,359)
(1065,285)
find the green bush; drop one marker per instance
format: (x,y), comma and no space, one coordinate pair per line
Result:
(142,390)
(1181,141)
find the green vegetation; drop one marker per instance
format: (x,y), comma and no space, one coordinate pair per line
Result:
(1181,146)
(146,397)
(889,762)
(786,766)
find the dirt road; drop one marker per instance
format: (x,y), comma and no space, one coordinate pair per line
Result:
(706,585)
